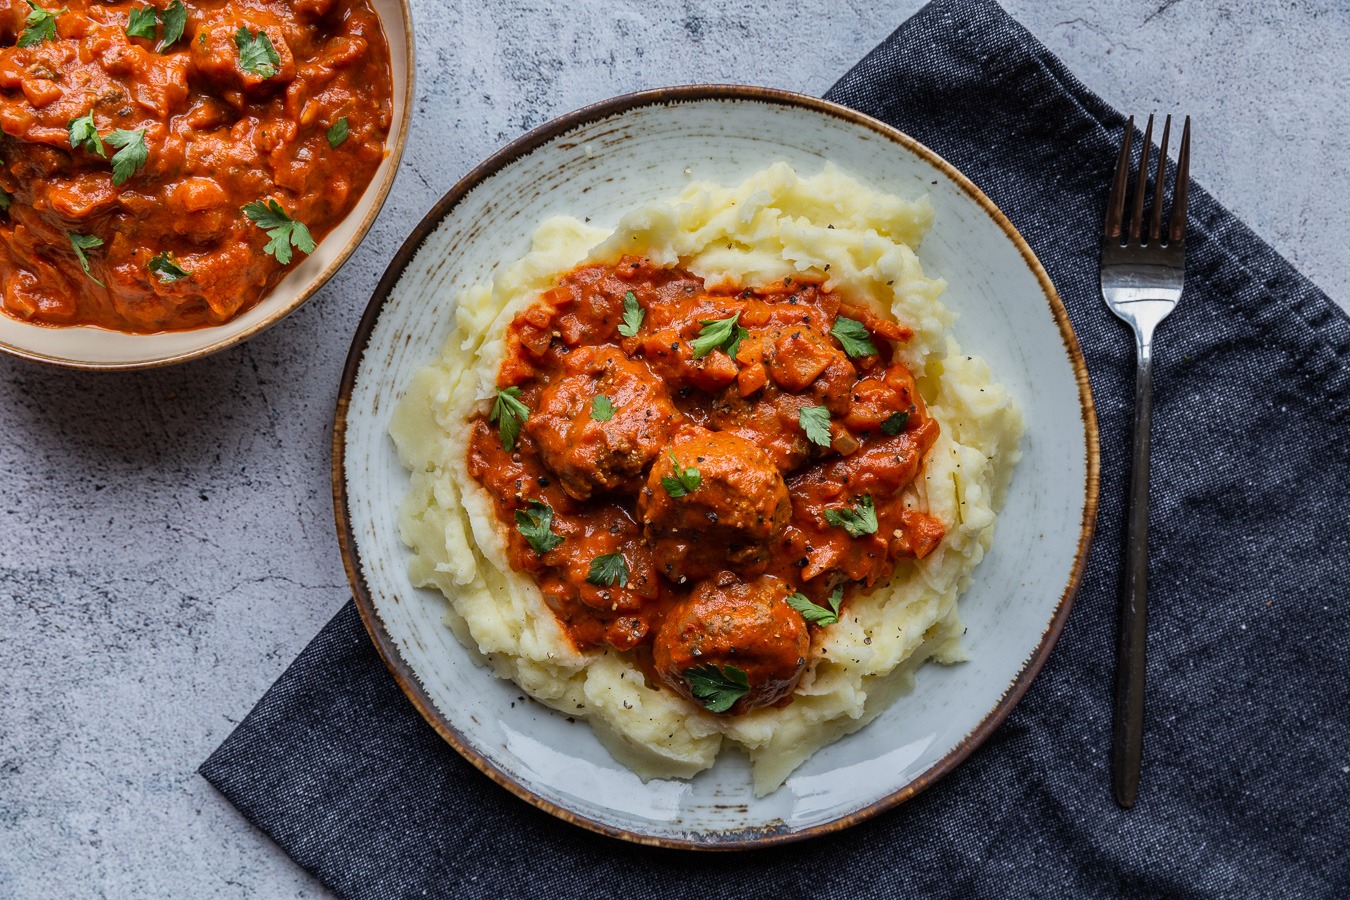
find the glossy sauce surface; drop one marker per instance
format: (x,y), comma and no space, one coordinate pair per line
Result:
(720,560)
(218,137)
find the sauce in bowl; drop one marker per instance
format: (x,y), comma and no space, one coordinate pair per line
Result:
(164,167)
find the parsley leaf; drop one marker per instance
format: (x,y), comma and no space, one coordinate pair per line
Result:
(84,133)
(338,132)
(686,481)
(719,689)
(133,155)
(142,22)
(257,56)
(854,336)
(601,409)
(633,314)
(284,231)
(81,243)
(895,423)
(536,524)
(509,414)
(815,421)
(857,521)
(162,265)
(5,198)
(609,570)
(818,615)
(174,19)
(723,333)
(41,25)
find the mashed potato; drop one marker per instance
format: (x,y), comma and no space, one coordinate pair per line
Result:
(773,225)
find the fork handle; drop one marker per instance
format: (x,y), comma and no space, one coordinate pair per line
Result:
(1127,748)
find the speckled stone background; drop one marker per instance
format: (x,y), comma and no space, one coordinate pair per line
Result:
(166,538)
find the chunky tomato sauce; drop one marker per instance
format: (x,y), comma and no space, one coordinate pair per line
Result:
(223,126)
(786,438)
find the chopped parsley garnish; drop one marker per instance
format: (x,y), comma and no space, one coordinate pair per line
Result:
(5,198)
(535,523)
(166,269)
(686,481)
(81,243)
(723,333)
(338,132)
(142,22)
(633,314)
(857,521)
(609,570)
(718,689)
(257,56)
(174,19)
(818,615)
(509,414)
(854,336)
(133,155)
(815,421)
(895,423)
(41,25)
(601,409)
(84,133)
(284,231)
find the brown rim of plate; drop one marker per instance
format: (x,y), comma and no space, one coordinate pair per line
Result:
(395,154)
(408,680)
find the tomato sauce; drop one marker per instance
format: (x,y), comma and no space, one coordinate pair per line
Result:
(170,248)
(756,527)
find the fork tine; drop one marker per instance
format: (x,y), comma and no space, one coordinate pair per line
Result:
(1177,219)
(1155,227)
(1141,184)
(1115,207)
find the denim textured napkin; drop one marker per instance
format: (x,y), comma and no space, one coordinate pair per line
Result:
(1246,787)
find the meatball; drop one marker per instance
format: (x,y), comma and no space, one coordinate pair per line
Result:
(732,623)
(587,451)
(738,506)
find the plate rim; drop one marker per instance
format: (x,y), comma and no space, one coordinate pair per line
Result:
(407,679)
(394,158)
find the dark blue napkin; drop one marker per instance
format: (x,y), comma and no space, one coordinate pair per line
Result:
(1247,774)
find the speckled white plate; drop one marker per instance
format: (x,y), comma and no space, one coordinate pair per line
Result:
(600,162)
(86,347)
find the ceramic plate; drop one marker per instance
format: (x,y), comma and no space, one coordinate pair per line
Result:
(86,347)
(600,162)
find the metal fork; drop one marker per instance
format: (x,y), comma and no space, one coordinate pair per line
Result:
(1141,277)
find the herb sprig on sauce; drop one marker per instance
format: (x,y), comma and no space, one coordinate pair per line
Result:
(818,615)
(284,231)
(82,243)
(602,410)
(718,689)
(633,314)
(725,334)
(257,56)
(685,481)
(338,132)
(854,337)
(132,156)
(168,271)
(509,413)
(535,523)
(608,570)
(41,25)
(815,421)
(858,520)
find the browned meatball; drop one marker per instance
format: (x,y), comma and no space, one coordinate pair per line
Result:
(590,455)
(739,506)
(749,626)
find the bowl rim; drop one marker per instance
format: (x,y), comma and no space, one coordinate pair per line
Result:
(408,680)
(394,157)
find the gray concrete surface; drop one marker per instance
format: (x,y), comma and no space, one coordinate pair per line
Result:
(166,543)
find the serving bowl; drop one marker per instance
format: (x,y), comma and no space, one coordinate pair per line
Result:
(597,163)
(87,347)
